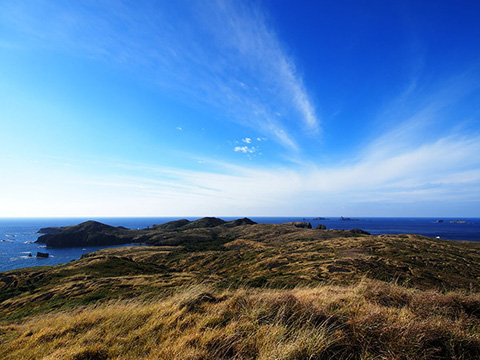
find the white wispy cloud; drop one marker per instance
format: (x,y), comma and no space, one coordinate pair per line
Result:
(416,117)
(244,149)
(437,174)
(224,54)
(417,157)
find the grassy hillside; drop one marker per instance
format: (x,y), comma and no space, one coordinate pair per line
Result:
(250,291)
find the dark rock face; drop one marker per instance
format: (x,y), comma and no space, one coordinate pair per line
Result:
(321,227)
(300,224)
(42,255)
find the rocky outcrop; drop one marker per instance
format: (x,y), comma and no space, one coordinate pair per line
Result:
(321,227)
(42,255)
(300,224)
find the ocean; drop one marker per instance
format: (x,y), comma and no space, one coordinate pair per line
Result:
(17,236)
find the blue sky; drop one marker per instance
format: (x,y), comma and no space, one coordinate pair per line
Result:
(239,108)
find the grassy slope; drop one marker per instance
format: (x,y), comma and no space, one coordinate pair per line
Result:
(260,291)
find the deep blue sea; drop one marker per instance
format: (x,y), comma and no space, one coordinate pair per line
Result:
(17,236)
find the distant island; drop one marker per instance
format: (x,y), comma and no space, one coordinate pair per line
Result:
(452,221)
(347,219)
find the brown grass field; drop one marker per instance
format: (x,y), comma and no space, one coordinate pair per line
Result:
(251,292)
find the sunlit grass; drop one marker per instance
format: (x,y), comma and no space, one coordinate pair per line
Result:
(369,320)
(256,292)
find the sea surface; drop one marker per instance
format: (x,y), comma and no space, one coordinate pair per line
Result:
(17,236)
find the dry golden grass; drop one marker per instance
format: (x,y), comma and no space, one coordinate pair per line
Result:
(370,320)
(250,292)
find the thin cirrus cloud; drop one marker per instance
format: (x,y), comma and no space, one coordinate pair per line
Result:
(417,118)
(226,57)
(439,173)
(219,53)
(432,172)
(397,167)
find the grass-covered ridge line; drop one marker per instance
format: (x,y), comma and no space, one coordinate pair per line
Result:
(247,291)
(93,233)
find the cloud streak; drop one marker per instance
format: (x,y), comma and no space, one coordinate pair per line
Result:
(225,56)
(242,69)
(437,174)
